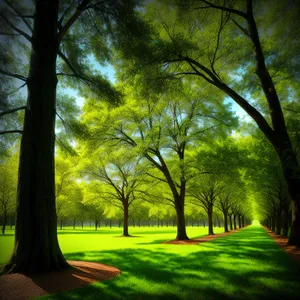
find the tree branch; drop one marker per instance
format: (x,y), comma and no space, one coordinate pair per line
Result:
(13,75)
(71,21)
(11,131)
(24,34)
(19,14)
(223,8)
(12,110)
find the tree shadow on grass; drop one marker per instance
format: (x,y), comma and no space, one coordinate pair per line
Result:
(247,265)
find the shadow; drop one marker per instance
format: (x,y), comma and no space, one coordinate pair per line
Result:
(79,275)
(245,265)
(82,231)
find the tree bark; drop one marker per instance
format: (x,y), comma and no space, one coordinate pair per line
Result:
(230,222)
(273,224)
(36,246)
(181,229)
(278,224)
(225,222)
(234,222)
(125,226)
(210,223)
(4,222)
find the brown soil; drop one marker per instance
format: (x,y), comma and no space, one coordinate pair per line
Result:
(203,239)
(22,287)
(293,251)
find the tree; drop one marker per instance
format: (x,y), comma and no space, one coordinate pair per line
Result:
(8,189)
(205,194)
(121,176)
(163,128)
(50,30)
(193,40)
(93,202)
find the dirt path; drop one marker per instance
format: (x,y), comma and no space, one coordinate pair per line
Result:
(293,251)
(204,239)
(22,287)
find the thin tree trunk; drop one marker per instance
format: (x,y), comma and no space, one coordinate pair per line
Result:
(210,223)
(125,226)
(230,222)
(4,222)
(273,224)
(278,224)
(96,224)
(61,223)
(36,246)
(74,223)
(82,224)
(225,222)
(285,224)
(234,222)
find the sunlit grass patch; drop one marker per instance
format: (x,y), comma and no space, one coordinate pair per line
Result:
(244,265)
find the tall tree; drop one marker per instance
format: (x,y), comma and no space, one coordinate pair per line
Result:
(8,188)
(163,128)
(121,177)
(221,44)
(50,28)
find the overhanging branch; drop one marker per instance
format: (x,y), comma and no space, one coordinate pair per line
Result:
(12,110)
(11,131)
(24,34)
(13,75)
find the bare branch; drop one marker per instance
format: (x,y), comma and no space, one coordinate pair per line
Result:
(13,75)
(19,14)
(244,30)
(11,131)
(223,8)
(12,110)
(24,34)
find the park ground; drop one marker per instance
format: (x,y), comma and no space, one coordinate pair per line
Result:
(247,264)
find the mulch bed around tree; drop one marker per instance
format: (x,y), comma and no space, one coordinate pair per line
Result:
(22,287)
(281,241)
(203,239)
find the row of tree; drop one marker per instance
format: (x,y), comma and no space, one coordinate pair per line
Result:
(176,61)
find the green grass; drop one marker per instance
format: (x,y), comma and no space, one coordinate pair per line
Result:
(245,265)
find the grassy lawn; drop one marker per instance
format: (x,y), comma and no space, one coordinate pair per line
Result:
(245,265)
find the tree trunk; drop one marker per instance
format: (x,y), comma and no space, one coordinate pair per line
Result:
(273,225)
(243,221)
(181,229)
(61,223)
(230,222)
(285,227)
(234,222)
(74,223)
(278,224)
(125,226)
(4,222)
(239,220)
(204,223)
(36,244)
(225,222)
(210,223)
